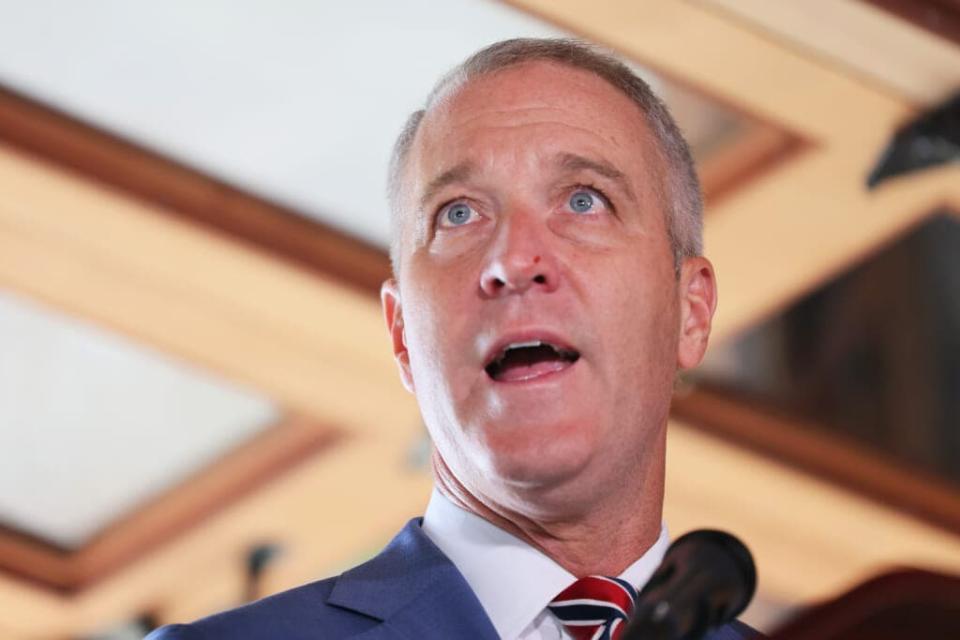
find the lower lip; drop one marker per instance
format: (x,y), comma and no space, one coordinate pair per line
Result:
(537,373)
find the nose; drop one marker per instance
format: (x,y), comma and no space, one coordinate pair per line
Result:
(520,259)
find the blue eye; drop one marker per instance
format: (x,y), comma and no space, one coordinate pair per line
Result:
(582,201)
(458,214)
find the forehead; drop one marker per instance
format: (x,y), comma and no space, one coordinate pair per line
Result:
(541,103)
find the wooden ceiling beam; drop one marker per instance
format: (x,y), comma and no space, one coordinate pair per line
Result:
(939,17)
(723,59)
(189,194)
(872,45)
(822,452)
(312,344)
(811,539)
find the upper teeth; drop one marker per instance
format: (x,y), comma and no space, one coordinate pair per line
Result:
(520,345)
(563,353)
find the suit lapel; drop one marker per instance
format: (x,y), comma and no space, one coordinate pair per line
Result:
(415,590)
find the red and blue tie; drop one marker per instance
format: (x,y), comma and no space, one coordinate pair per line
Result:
(595,607)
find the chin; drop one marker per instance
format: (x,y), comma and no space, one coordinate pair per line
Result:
(540,454)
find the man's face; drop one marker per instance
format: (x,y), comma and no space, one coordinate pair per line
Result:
(537,315)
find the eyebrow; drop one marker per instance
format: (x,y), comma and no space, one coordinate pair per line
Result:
(569,162)
(458,173)
(572,162)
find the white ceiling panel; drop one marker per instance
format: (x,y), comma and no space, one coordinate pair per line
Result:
(93,425)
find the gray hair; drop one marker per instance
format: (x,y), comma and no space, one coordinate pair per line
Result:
(680,190)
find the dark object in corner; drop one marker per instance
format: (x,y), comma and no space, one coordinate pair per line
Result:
(930,140)
(259,557)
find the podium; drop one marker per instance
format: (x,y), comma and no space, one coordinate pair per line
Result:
(902,605)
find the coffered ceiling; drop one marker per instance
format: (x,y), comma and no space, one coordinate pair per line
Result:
(191,235)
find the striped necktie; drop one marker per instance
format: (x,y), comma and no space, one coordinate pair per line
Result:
(595,607)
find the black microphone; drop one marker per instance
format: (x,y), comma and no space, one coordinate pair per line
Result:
(706,579)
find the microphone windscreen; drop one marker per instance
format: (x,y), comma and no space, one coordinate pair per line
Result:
(707,578)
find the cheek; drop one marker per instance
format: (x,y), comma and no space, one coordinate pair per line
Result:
(425,322)
(639,316)
(438,331)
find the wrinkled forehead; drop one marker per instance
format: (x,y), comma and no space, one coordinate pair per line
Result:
(581,108)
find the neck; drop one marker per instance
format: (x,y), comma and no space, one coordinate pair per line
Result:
(603,538)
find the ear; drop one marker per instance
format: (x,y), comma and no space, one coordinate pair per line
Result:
(698,300)
(393,313)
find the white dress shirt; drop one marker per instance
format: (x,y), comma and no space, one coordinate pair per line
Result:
(513,580)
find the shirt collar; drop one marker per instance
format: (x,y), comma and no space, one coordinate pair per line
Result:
(512,580)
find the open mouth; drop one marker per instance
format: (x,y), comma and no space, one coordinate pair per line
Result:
(519,361)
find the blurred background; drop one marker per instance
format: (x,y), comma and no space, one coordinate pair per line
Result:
(198,405)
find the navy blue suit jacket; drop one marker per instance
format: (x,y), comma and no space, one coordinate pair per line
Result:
(410,591)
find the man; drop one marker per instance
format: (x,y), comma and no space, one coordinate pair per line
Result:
(548,286)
